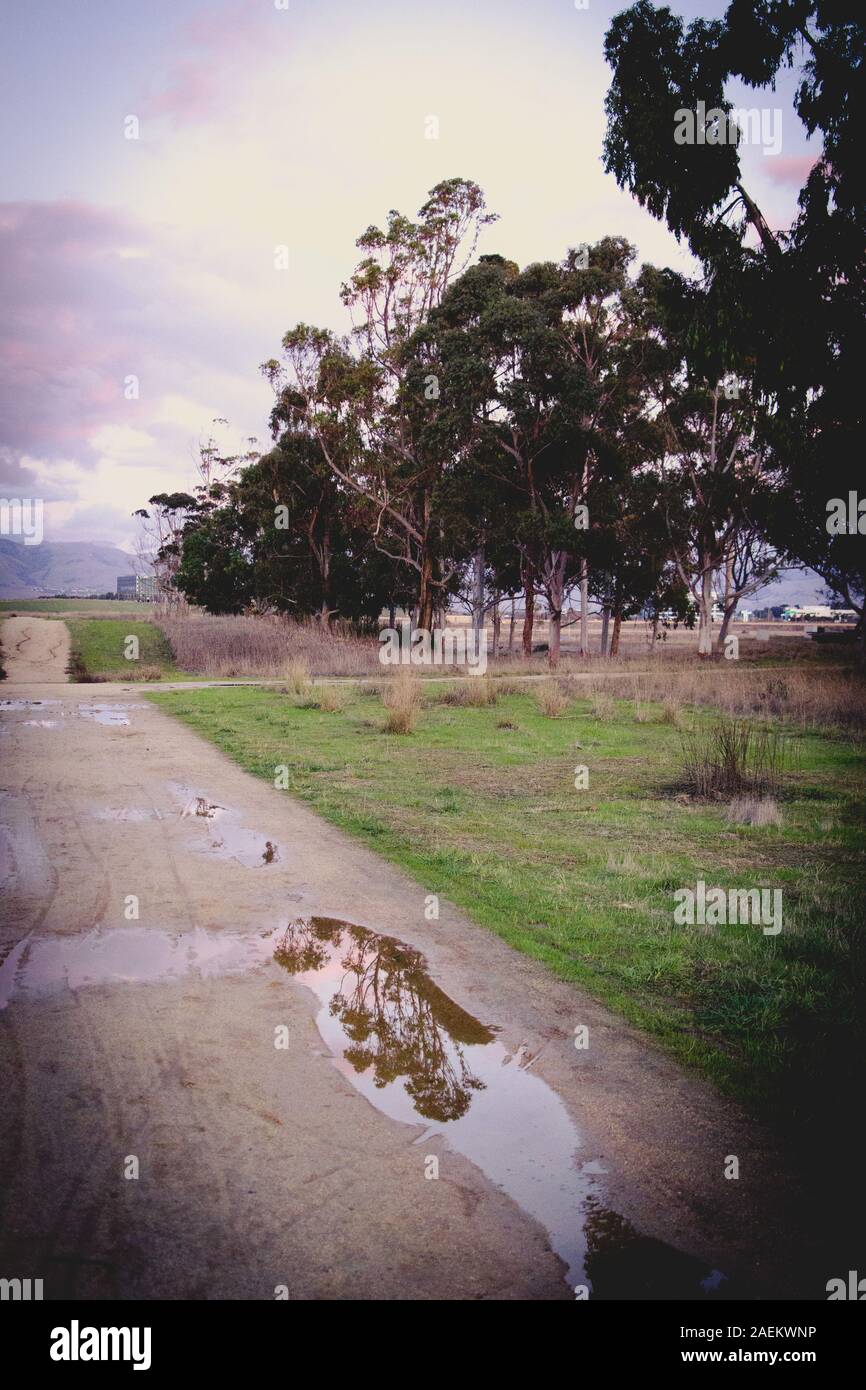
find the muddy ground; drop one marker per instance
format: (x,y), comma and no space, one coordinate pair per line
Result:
(281,1139)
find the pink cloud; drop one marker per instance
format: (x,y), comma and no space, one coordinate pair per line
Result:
(210,53)
(79,314)
(791,170)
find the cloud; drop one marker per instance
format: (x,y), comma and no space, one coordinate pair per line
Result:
(790,170)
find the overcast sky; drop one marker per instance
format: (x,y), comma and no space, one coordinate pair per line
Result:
(262,126)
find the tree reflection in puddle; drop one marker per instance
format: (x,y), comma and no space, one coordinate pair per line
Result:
(396,1022)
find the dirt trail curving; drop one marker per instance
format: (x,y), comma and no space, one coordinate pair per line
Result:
(34,649)
(147,1027)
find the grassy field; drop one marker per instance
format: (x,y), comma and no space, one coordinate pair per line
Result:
(98,646)
(95,606)
(480,804)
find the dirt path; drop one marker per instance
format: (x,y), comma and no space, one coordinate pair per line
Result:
(153,1042)
(34,649)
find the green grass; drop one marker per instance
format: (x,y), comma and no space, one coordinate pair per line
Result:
(98,646)
(583,880)
(72,605)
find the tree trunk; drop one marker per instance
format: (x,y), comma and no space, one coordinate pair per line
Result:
(478,591)
(554,635)
(497,624)
(605,625)
(425,593)
(511,626)
(584,609)
(528,607)
(705,615)
(555,596)
(617,624)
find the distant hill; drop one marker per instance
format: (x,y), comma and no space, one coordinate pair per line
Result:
(60,567)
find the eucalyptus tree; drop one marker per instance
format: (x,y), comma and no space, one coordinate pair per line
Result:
(787,307)
(359,395)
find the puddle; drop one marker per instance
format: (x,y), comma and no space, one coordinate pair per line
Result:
(42,723)
(115,715)
(418,1057)
(224,835)
(27,704)
(41,966)
(126,814)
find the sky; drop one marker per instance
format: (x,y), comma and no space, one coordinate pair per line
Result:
(263,124)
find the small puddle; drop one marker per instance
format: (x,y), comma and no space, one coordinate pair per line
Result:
(41,966)
(27,704)
(224,836)
(42,723)
(115,715)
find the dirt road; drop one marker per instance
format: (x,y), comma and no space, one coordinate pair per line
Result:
(34,649)
(211,1091)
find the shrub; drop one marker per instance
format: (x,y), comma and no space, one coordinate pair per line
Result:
(298,676)
(753,810)
(732,756)
(402,700)
(478,692)
(603,706)
(551,699)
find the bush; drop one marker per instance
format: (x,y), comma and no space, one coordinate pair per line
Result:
(733,756)
(551,699)
(402,700)
(298,676)
(477,692)
(603,706)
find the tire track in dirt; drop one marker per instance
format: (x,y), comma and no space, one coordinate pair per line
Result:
(35,649)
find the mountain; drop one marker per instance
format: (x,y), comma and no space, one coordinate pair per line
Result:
(60,567)
(797,588)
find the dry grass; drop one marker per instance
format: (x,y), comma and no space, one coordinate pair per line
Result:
(331,699)
(402,700)
(551,698)
(478,693)
(671,713)
(603,706)
(811,697)
(733,756)
(754,810)
(298,676)
(227,647)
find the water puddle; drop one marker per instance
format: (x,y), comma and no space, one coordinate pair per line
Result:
(26,704)
(114,715)
(41,966)
(224,836)
(42,723)
(418,1057)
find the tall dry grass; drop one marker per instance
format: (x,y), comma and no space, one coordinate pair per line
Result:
(401,696)
(734,756)
(269,647)
(809,697)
